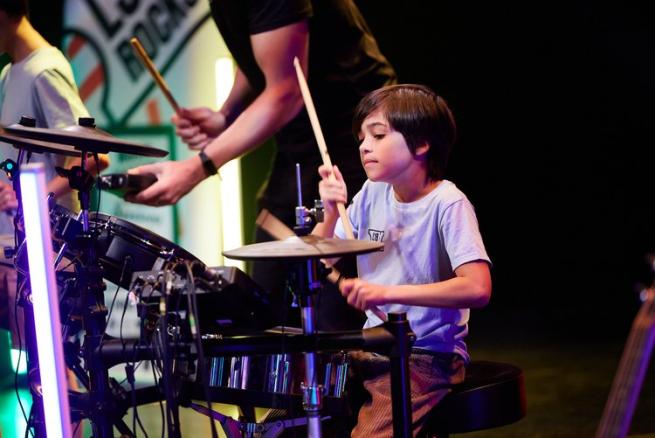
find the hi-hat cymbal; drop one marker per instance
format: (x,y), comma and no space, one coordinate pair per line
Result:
(86,139)
(38,146)
(304,247)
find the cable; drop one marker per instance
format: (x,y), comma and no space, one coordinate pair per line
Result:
(71,263)
(129,371)
(19,288)
(77,426)
(153,362)
(28,429)
(130,376)
(161,404)
(163,340)
(96,159)
(111,308)
(193,319)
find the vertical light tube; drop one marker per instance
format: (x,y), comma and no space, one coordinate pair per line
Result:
(45,298)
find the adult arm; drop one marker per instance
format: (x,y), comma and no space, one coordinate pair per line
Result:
(279,102)
(198,126)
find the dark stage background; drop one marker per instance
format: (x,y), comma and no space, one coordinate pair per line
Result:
(554,103)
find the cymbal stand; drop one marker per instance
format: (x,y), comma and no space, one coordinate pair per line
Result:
(307,287)
(94,312)
(309,274)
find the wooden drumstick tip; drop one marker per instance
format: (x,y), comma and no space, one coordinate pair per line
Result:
(379,313)
(320,140)
(152,69)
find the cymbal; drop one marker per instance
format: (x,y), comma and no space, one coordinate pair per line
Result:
(37,146)
(85,139)
(305,247)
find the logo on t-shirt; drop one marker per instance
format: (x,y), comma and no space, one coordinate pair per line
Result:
(375,235)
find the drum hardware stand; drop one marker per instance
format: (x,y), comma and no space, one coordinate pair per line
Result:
(306,218)
(101,404)
(168,363)
(105,403)
(243,429)
(308,285)
(394,338)
(397,324)
(91,287)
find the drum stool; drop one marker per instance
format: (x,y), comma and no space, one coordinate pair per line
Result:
(492,395)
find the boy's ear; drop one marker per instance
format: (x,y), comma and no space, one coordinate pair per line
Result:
(422,150)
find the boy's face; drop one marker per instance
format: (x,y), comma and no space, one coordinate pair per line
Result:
(383,151)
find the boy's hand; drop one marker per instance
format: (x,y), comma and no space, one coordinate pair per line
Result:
(362,294)
(332,190)
(198,126)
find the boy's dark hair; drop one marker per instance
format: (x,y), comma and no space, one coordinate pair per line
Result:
(14,8)
(419,115)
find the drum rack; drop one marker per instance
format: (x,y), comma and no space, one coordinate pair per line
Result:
(178,339)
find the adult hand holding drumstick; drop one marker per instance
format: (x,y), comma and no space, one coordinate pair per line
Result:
(245,121)
(332,188)
(195,126)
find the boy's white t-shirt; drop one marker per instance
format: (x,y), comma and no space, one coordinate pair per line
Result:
(424,241)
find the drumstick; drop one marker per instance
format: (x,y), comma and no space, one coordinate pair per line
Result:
(320,140)
(159,80)
(322,147)
(273,226)
(276,228)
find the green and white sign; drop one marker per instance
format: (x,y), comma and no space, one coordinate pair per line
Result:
(182,40)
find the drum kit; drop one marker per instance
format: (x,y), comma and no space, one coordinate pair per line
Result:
(206,331)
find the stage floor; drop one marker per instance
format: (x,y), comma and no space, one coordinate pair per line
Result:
(567,383)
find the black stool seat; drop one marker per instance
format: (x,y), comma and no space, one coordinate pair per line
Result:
(492,395)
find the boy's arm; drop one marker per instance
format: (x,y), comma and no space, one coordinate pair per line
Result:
(470,288)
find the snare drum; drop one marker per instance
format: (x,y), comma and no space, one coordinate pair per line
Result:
(121,246)
(279,373)
(124,248)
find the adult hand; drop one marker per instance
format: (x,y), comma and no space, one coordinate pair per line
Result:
(331,190)
(198,126)
(362,294)
(8,201)
(174,180)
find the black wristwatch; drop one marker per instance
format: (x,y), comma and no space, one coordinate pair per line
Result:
(207,164)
